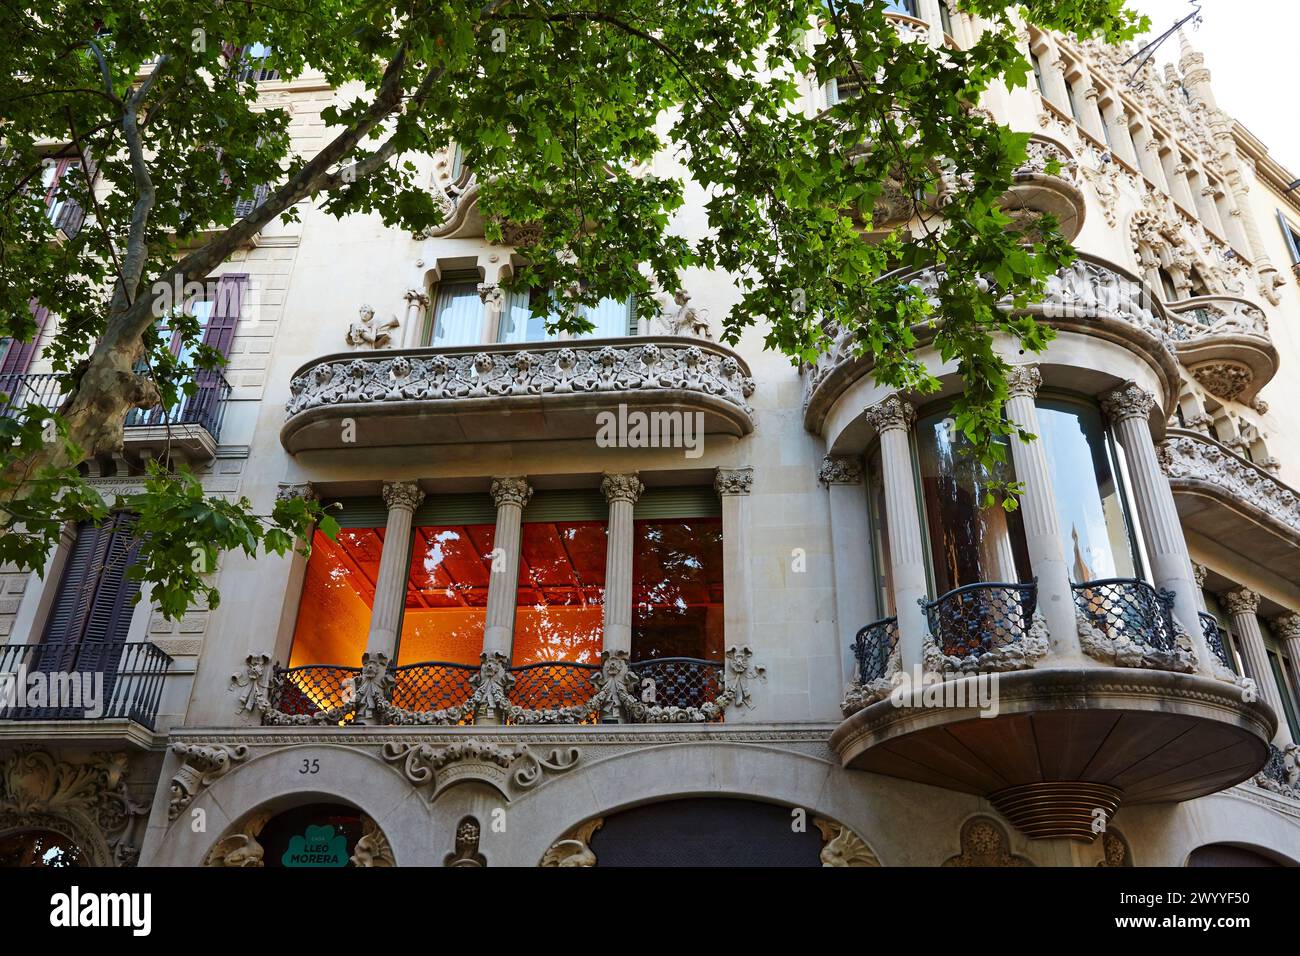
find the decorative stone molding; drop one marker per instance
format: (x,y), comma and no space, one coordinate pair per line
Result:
(985,843)
(1226,379)
(1199,571)
(373,849)
(740,670)
(859,695)
(511,491)
(1023,380)
(1122,651)
(291,491)
(465,852)
(253,685)
(242,849)
(622,488)
(402,494)
(842,847)
(1240,601)
(1016,655)
(1128,401)
(507,770)
(1286,626)
(666,370)
(892,412)
(201,766)
(840,470)
(1213,316)
(88,803)
(573,848)
(733,481)
(1115,851)
(371,332)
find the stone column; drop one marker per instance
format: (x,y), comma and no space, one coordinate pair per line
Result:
(402,498)
(416,304)
(494,301)
(510,495)
(1287,629)
(1128,408)
(852,556)
(733,486)
(1093,121)
(622,492)
(1242,604)
(1122,139)
(1148,155)
(1039,516)
(892,419)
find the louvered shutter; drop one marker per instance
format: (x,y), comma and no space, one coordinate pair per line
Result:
(18,357)
(218,334)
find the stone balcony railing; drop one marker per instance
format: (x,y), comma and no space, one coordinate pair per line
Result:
(1216,490)
(553,390)
(1048,182)
(1224,342)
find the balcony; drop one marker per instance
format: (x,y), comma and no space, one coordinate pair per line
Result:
(661,690)
(985,628)
(1224,342)
(1216,639)
(1233,502)
(81,690)
(1048,182)
(190,428)
(1128,623)
(545,390)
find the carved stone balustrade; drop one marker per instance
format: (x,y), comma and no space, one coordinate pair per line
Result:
(1048,182)
(1233,502)
(1224,342)
(548,390)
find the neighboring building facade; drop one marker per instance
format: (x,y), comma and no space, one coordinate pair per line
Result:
(544,636)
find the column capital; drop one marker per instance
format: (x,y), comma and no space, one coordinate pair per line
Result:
(491,294)
(890,413)
(840,470)
(289,491)
(416,297)
(733,481)
(1240,601)
(402,494)
(622,488)
(1023,380)
(1198,572)
(511,491)
(1286,626)
(1130,400)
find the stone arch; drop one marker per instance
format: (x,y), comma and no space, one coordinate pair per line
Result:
(1235,854)
(88,839)
(241,845)
(272,782)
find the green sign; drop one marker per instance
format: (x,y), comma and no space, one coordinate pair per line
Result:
(318,847)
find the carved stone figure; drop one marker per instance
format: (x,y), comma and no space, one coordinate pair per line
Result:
(369,331)
(466,852)
(687,320)
(843,847)
(573,849)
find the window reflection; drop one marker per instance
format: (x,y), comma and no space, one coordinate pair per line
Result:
(1089,508)
(973,539)
(559,609)
(338,592)
(446,594)
(880,533)
(610,318)
(457,313)
(677,589)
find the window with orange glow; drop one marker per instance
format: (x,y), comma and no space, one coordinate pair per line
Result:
(559,610)
(338,593)
(446,594)
(677,589)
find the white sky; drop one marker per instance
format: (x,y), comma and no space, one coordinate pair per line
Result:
(1251,50)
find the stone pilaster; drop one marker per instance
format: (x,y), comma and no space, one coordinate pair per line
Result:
(402,498)
(1242,604)
(416,304)
(733,486)
(893,418)
(622,492)
(1039,515)
(1128,408)
(853,560)
(510,495)
(1286,628)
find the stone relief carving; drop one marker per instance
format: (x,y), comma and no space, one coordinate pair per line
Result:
(88,803)
(240,849)
(740,670)
(842,847)
(504,371)
(371,332)
(1225,378)
(201,766)
(466,852)
(840,470)
(1187,458)
(984,843)
(1012,655)
(1115,850)
(373,849)
(733,481)
(859,695)
(508,770)
(573,849)
(253,684)
(1121,651)
(678,317)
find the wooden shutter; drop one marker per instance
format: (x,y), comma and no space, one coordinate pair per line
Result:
(220,331)
(18,357)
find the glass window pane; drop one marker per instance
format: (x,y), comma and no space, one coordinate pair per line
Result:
(1089,508)
(880,534)
(971,541)
(338,592)
(457,314)
(612,318)
(518,324)
(446,594)
(559,609)
(677,589)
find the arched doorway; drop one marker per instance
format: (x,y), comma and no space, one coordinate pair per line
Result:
(39,848)
(307,836)
(1225,854)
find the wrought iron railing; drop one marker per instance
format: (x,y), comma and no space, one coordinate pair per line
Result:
(1129,608)
(979,618)
(311,688)
(1216,639)
(82,680)
(872,648)
(205,408)
(433,685)
(679,681)
(552,684)
(1275,767)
